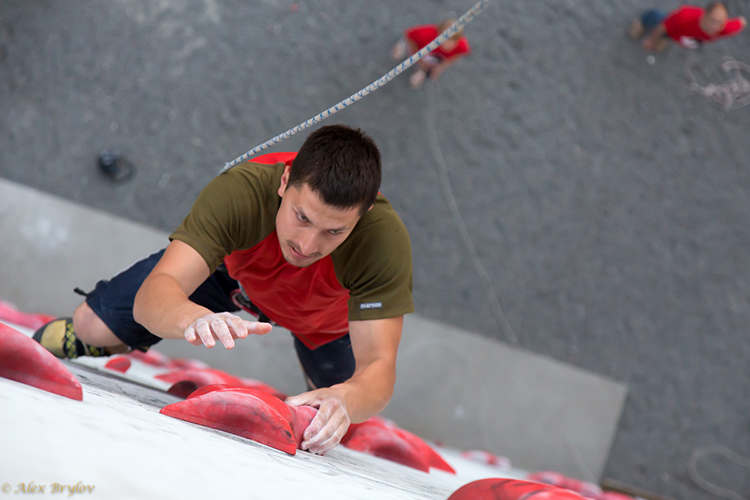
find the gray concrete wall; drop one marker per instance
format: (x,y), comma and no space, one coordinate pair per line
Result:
(453,386)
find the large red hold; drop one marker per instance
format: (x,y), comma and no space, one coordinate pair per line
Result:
(299,417)
(22,359)
(511,489)
(382,438)
(246,412)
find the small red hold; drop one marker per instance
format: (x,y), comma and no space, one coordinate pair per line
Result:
(511,489)
(613,495)
(152,358)
(187,363)
(294,8)
(246,412)
(9,313)
(22,359)
(118,363)
(486,458)
(589,490)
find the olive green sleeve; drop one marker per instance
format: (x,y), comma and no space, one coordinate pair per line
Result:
(375,265)
(233,212)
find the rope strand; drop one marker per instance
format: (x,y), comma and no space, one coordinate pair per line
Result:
(455,27)
(708,486)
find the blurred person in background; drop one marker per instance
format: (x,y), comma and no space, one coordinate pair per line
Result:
(434,63)
(689,26)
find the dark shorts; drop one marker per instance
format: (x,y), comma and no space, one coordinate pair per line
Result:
(112,301)
(329,364)
(652,18)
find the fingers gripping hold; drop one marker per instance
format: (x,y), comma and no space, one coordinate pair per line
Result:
(327,428)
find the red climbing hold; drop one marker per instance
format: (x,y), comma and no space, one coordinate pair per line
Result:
(200,376)
(425,451)
(185,381)
(188,363)
(381,442)
(118,363)
(9,313)
(183,388)
(585,488)
(511,489)
(246,412)
(382,438)
(255,384)
(613,495)
(153,358)
(302,416)
(299,417)
(22,359)
(487,458)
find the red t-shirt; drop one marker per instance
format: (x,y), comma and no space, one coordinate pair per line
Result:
(683,26)
(423,35)
(309,301)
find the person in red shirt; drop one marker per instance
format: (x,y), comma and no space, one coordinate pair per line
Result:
(434,63)
(301,239)
(689,26)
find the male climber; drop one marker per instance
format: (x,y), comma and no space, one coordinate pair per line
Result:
(312,245)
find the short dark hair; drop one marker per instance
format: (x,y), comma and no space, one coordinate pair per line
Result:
(341,165)
(713,5)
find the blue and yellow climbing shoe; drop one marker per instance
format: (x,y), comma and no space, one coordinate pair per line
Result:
(59,338)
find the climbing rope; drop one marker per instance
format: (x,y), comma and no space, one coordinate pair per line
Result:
(463,231)
(455,27)
(730,95)
(708,486)
(510,334)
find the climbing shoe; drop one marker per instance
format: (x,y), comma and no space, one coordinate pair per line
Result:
(59,338)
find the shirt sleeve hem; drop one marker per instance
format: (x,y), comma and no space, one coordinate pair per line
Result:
(197,245)
(372,314)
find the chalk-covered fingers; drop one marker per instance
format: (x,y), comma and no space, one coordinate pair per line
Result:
(330,423)
(222,327)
